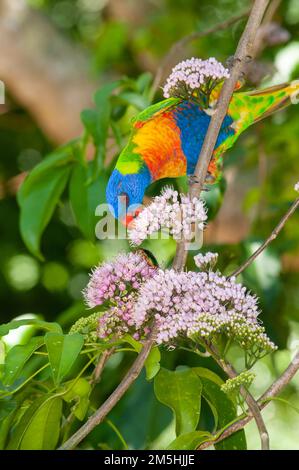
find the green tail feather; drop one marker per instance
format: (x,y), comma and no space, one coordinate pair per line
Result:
(250,107)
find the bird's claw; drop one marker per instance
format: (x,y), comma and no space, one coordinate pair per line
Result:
(193,179)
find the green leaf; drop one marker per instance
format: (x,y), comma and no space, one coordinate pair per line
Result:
(39,427)
(58,159)
(143,82)
(134,99)
(152,364)
(78,388)
(208,374)
(89,118)
(226,411)
(7,406)
(81,407)
(63,351)
(86,197)
(96,122)
(40,324)
(2,353)
(17,357)
(7,413)
(180,390)
(38,198)
(79,393)
(190,440)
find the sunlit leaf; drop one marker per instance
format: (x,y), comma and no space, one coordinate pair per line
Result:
(38,198)
(180,390)
(63,351)
(208,374)
(39,427)
(40,324)
(189,441)
(17,357)
(226,411)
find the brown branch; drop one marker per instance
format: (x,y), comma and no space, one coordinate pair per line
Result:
(270,239)
(96,376)
(251,402)
(178,46)
(263,401)
(243,54)
(113,399)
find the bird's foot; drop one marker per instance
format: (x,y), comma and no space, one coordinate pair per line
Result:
(193,179)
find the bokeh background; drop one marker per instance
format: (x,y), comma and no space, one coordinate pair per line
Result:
(53,55)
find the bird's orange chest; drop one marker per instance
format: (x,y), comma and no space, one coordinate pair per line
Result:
(158,142)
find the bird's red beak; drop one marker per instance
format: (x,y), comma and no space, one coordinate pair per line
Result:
(130,217)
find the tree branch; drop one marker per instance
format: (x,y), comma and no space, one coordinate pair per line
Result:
(97,373)
(251,402)
(272,392)
(270,239)
(243,54)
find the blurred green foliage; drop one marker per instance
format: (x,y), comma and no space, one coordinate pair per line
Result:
(131,46)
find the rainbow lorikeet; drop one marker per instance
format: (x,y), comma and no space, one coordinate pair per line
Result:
(167,137)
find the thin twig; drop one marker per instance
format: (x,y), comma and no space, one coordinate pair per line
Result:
(178,46)
(243,54)
(263,401)
(114,398)
(251,402)
(96,376)
(270,239)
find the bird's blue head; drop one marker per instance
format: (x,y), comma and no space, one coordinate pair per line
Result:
(125,193)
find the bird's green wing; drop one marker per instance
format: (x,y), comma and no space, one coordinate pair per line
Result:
(155,110)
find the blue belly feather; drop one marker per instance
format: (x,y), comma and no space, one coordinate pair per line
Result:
(193,124)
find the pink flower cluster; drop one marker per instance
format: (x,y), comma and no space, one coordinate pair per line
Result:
(116,285)
(171,211)
(134,295)
(199,306)
(193,74)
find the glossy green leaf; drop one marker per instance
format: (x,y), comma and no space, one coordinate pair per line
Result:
(85,196)
(189,441)
(39,427)
(226,411)
(78,393)
(152,364)
(96,122)
(40,324)
(134,99)
(17,357)
(7,406)
(63,351)
(81,407)
(78,388)
(7,412)
(143,82)
(58,159)
(38,198)
(208,374)
(180,390)
(2,355)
